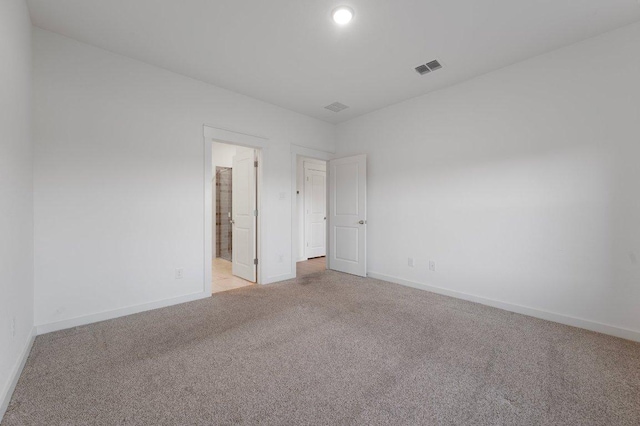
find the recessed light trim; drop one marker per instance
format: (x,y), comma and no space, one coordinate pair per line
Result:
(342,15)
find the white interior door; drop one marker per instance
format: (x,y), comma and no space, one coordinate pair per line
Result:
(315,210)
(348,215)
(243,211)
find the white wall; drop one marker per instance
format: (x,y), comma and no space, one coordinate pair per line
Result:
(119,179)
(300,202)
(16,192)
(523,184)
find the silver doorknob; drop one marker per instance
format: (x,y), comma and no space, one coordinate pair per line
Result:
(362,222)
(231,221)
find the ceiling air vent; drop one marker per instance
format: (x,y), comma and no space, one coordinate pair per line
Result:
(434,65)
(422,69)
(336,107)
(428,67)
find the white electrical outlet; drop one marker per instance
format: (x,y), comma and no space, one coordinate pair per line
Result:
(410,262)
(179,273)
(432,265)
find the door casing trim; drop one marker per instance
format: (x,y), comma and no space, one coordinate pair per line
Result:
(260,144)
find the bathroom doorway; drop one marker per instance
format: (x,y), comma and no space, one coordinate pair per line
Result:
(234,236)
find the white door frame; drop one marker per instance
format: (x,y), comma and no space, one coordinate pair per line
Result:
(317,155)
(260,144)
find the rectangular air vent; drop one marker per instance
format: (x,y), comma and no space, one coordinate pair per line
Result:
(422,69)
(434,65)
(336,107)
(428,67)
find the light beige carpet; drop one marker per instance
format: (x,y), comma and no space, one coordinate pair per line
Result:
(328,349)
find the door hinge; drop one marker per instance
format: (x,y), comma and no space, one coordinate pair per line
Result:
(255,213)
(255,163)
(255,261)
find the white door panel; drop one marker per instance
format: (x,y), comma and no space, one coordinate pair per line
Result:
(348,215)
(243,206)
(315,209)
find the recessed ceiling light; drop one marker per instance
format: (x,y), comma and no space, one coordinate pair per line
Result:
(342,15)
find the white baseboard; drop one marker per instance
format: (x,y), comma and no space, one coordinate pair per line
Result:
(278,278)
(102,316)
(7,392)
(623,333)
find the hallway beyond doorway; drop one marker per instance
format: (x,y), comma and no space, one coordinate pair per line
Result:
(311,266)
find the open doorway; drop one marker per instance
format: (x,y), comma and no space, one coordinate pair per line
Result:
(234,216)
(311,198)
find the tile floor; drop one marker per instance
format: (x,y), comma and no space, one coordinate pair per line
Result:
(222,279)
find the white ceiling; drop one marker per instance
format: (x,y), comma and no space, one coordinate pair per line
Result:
(290,53)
